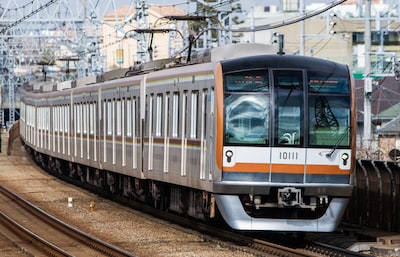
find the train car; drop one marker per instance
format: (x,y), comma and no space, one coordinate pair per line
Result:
(263,140)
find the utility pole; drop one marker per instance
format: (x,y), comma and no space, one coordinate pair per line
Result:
(367,77)
(302,28)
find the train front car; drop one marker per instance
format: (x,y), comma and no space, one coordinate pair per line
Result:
(284,145)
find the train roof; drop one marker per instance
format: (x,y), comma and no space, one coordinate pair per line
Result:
(284,61)
(255,54)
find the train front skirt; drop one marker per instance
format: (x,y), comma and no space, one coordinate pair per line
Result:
(238,219)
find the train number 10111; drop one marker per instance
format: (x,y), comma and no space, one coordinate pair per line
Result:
(288,155)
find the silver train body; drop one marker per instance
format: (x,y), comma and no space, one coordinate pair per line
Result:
(264,140)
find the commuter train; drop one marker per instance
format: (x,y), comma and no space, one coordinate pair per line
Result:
(264,140)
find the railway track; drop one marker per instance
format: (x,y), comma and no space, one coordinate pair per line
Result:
(258,246)
(41,234)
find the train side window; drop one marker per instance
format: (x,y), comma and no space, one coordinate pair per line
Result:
(175,114)
(136,116)
(166,115)
(150,115)
(54,119)
(77,118)
(193,114)
(119,117)
(204,97)
(104,118)
(109,117)
(184,114)
(60,119)
(128,117)
(289,92)
(68,124)
(159,115)
(92,123)
(85,118)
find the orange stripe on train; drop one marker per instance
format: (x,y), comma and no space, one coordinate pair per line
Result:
(286,168)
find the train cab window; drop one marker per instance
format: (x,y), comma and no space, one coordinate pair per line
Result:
(247,107)
(329,109)
(289,90)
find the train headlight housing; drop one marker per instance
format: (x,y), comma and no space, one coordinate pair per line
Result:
(345,157)
(229,155)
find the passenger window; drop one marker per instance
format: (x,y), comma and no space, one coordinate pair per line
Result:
(110,117)
(159,115)
(118,118)
(175,114)
(193,114)
(128,117)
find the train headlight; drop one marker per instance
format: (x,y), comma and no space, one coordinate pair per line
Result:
(229,155)
(345,157)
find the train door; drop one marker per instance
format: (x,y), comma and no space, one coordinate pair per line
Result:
(288,155)
(247,109)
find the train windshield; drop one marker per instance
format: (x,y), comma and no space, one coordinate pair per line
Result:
(247,107)
(329,109)
(311,108)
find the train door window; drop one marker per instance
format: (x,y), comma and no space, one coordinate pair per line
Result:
(135,117)
(247,108)
(150,116)
(193,114)
(204,113)
(175,115)
(159,115)
(54,114)
(114,120)
(55,119)
(166,115)
(66,125)
(129,117)
(122,124)
(61,128)
(92,123)
(119,117)
(78,118)
(184,115)
(289,107)
(84,118)
(105,123)
(76,128)
(329,109)
(109,118)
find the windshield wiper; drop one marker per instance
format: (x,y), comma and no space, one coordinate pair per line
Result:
(337,143)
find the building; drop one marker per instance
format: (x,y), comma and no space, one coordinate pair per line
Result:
(126,45)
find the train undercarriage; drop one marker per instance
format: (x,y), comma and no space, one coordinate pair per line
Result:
(166,197)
